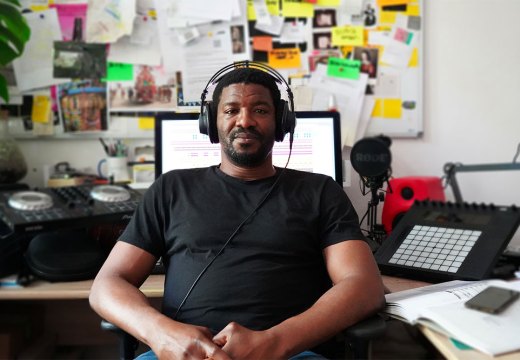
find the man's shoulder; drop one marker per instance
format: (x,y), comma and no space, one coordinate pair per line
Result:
(306,175)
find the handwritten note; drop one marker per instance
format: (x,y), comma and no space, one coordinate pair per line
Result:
(343,68)
(347,35)
(285,58)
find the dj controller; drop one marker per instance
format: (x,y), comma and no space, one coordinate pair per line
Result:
(67,207)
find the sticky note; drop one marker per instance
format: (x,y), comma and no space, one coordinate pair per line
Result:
(391,2)
(414,59)
(343,68)
(387,17)
(348,35)
(392,108)
(295,8)
(146,123)
(119,72)
(284,58)
(262,43)
(329,2)
(378,108)
(41,109)
(273,7)
(413,10)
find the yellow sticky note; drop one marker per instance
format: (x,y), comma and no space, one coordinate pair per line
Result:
(378,108)
(392,108)
(251,12)
(387,17)
(152,13)
(413,10)
(36,7)
(329,2)
(41,109)
(273,7)
(348,35)
(146,123)
(295,8)
(285,58)
(414,59)
(392,2)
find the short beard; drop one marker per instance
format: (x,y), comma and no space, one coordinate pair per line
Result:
(246,159)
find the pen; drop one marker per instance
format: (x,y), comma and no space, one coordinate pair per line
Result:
(105,146)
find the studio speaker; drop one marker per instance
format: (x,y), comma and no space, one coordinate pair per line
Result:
(404,191)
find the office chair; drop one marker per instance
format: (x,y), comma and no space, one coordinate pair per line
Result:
(356,338)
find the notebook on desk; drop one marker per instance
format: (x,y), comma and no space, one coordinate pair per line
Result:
(441,308)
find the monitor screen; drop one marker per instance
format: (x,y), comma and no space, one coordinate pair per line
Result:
(316,145)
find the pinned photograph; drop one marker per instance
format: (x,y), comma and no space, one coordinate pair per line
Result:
(324,18)
(322,57)
(322,40)
(238,44)
(82,105)
(73,59)
(150,89)
(369,58)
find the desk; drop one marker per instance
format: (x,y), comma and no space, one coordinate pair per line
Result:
(152,288)
(42,290)
(73,297)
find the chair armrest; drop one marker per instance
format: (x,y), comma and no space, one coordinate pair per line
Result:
(127,343)
(367,329)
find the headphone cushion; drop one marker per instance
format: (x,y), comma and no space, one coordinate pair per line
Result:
(208,122)
(285,120)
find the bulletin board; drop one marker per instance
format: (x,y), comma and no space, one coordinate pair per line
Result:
(362,58)
(398,98)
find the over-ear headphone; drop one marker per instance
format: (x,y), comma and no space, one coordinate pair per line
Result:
(285,117)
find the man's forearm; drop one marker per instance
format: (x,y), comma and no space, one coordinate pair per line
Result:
(124,305)
(346,303)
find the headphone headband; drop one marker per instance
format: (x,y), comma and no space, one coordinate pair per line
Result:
(249,64)
(285,116)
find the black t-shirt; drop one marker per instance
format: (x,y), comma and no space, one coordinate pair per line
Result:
(273,267)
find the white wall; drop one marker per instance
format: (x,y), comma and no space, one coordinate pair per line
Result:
(471,103)
(471,99)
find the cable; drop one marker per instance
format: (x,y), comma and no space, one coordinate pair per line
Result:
(517,153)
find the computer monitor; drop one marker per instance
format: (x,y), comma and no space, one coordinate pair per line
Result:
(316,146)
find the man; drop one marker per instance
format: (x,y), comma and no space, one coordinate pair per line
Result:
(251,250)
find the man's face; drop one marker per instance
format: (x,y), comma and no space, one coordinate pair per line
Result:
(246,123)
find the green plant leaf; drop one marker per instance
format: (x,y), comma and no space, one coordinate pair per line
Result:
(7,40)
(13,21)
(14,2)
(4,94)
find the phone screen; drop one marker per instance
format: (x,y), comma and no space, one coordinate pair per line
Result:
(492,299)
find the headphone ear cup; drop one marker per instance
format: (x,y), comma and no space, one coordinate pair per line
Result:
(285,120)
(208,123)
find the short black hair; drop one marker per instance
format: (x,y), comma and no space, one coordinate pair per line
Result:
(246,75)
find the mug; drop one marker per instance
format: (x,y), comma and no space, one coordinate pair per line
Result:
(116,169)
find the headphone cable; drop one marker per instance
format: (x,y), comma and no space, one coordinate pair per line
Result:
(235,232)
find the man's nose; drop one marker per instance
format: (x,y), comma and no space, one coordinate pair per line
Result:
(245,119)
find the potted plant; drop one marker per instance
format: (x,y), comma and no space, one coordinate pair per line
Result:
(14,34)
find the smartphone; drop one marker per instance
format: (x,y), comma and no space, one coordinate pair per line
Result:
(492,299)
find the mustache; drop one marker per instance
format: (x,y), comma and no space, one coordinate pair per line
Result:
(239,131)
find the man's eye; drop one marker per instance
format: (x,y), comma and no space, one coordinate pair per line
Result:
(261,111)
(230,111)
